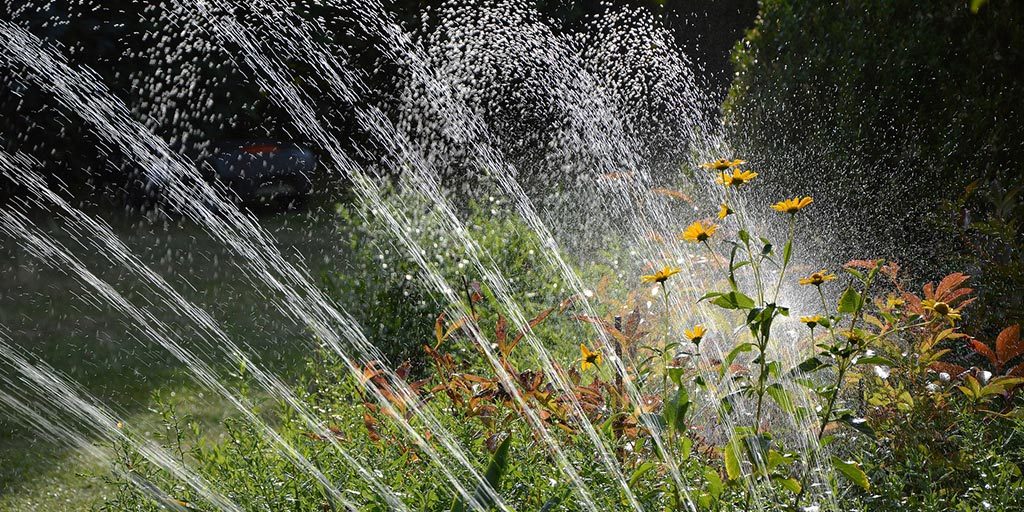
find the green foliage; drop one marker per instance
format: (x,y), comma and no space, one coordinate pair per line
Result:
(397,307)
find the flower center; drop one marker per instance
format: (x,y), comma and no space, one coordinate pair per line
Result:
(941,308)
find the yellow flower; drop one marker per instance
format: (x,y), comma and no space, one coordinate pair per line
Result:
(818,278)
(941,309)
(812,321)
(696,333)
(722,164)
(589,358)
(699,232)
(792,205)
(737,178)
(724,211)
(660,276)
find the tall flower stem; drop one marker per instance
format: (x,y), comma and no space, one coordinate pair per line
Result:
(668,327)
(754,264)
(785,256)
(714,255)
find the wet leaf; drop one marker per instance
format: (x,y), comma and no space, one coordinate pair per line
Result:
(732,461)
(850,301)
(852,471)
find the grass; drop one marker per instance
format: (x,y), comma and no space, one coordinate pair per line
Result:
(50,315)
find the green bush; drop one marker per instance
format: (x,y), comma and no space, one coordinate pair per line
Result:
(383,288)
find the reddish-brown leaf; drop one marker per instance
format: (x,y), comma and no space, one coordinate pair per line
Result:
(533,323)
(1009,344)
(403,370)
(371,426)
(500,330)
(568,303)
(949,283)
(1016,371)
(984,350)
(953,370)
(439,329)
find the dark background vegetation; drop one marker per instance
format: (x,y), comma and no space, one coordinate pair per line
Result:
(905,118)
(192,93)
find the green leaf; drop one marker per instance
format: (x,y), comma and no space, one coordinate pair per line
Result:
(850,301)
(744,236)
(733,300)
(675,409)
(715,486)
(787,252)
(790,484)
(976,5)
(859,424)
(495,470)
(732,461)
(735,352)
(854,272)
(675,374)
(853,472)
(640,472)
(781,397)
(809,366)
(685,447)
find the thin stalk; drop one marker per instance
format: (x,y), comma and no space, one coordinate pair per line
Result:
(714,255)
(664,352)
(785,260)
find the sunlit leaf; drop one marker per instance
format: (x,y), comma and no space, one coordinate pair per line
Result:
(850,301)
(852,471)
(732,461)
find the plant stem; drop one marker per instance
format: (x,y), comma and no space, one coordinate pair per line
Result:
(664,353)
(714,255)
(785,259)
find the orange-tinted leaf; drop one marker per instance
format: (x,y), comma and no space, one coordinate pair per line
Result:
(950,283)
(1009,344)
(868,264)
(929,291)
(953,370)
(984,350)
(439,329)
(455,326)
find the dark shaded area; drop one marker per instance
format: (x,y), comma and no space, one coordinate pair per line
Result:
(195,93)
(905,119)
